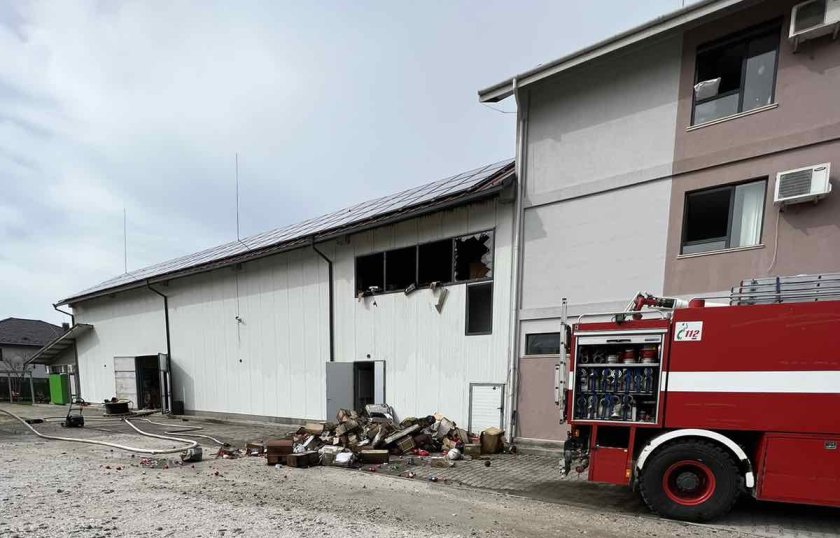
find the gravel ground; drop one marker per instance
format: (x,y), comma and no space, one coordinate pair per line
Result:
(56,488)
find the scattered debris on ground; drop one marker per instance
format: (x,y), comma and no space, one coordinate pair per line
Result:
(373,440)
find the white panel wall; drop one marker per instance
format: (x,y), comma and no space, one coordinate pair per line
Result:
(430,362)
(614,117)
(130,324)
(272,363)
(597,249)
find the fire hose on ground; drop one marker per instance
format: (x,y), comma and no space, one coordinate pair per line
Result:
(189,443)
(183,429)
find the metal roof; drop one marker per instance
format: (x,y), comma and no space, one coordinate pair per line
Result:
(27,332)
(49,352)
(457,189)
(650,29)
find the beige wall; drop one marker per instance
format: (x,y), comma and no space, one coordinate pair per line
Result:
(807,90)
(808,234)
(803,129)
(538,415)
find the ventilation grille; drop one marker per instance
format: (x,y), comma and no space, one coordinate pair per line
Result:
(809,15)
(795,183)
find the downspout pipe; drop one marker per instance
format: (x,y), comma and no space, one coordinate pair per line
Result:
(331,296)
(516,262)
(168,341)
(72,317)
(78,381)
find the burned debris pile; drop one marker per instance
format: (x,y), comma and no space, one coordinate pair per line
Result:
(373,436)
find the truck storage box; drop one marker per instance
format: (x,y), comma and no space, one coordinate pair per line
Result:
(609,465)
(800,469)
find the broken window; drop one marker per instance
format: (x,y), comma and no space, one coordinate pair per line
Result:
(474,256)
(542,344)
(434,262)
(723,217)
(735,75)
(400,268)
(370,273)
(480,308)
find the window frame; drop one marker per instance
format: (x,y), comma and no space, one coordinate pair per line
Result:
(731,187)
(559,343)
(744,37)
(477,282)
(450,282)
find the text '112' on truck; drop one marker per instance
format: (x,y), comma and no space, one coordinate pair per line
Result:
(695,403)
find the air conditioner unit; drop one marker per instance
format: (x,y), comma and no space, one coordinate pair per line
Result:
(803,184)
(814,18)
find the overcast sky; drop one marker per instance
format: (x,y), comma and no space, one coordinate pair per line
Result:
(143,105)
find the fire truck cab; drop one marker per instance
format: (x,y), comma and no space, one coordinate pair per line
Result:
(697,403)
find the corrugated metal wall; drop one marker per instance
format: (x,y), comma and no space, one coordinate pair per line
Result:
(272,362)
(429,360)
(131,324)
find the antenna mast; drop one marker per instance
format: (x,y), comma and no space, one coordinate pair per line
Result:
(237,196)
(125,243)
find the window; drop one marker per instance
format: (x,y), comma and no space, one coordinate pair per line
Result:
(480,308)
(400,268)
(434,262)
(474,257)
(735,75)
(460,259)
(370,273)
(542,344)
(723,217)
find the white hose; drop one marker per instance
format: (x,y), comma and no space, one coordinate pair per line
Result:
(184,429)
(190,444)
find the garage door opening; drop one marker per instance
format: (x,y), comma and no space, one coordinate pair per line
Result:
(143,380)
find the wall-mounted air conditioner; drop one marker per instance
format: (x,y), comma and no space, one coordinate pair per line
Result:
(803,184)
(814,18)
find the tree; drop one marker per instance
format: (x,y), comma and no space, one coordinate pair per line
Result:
(16,368)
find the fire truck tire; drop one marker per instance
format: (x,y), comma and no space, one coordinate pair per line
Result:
(690,480)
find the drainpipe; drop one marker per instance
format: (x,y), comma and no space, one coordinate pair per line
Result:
(76,377)
(168,343)
(331,294)
(516,261)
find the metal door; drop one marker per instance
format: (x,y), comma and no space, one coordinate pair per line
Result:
(379,382)
(487,401)
(165,383)
(125,379)
(339,387)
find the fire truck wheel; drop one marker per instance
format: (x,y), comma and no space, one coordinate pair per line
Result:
(690,480)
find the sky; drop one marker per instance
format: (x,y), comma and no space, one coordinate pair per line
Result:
(109,106)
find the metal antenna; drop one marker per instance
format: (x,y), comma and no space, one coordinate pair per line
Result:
(125,243)
(237,196)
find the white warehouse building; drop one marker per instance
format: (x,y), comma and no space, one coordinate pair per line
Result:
(403,300)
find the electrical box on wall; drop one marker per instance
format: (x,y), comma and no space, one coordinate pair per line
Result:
(803,184)
(814,18)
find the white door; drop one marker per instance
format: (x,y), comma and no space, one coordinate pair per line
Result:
(486,406)
(125,377)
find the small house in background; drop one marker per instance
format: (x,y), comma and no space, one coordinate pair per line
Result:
(400,300)
(20,340)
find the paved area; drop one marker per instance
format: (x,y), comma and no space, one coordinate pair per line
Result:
(530,478)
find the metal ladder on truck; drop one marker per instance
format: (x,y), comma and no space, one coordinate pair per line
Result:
(786,289)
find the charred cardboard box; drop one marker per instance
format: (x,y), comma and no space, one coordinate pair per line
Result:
(276,450)
(374,456)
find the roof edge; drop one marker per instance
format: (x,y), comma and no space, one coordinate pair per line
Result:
(507,174)
(661,24)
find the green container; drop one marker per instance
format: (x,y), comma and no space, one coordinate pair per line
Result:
(60,389)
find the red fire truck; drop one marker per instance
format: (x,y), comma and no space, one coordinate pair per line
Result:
(695,403)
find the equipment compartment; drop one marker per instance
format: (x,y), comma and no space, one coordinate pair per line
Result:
(617,378)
